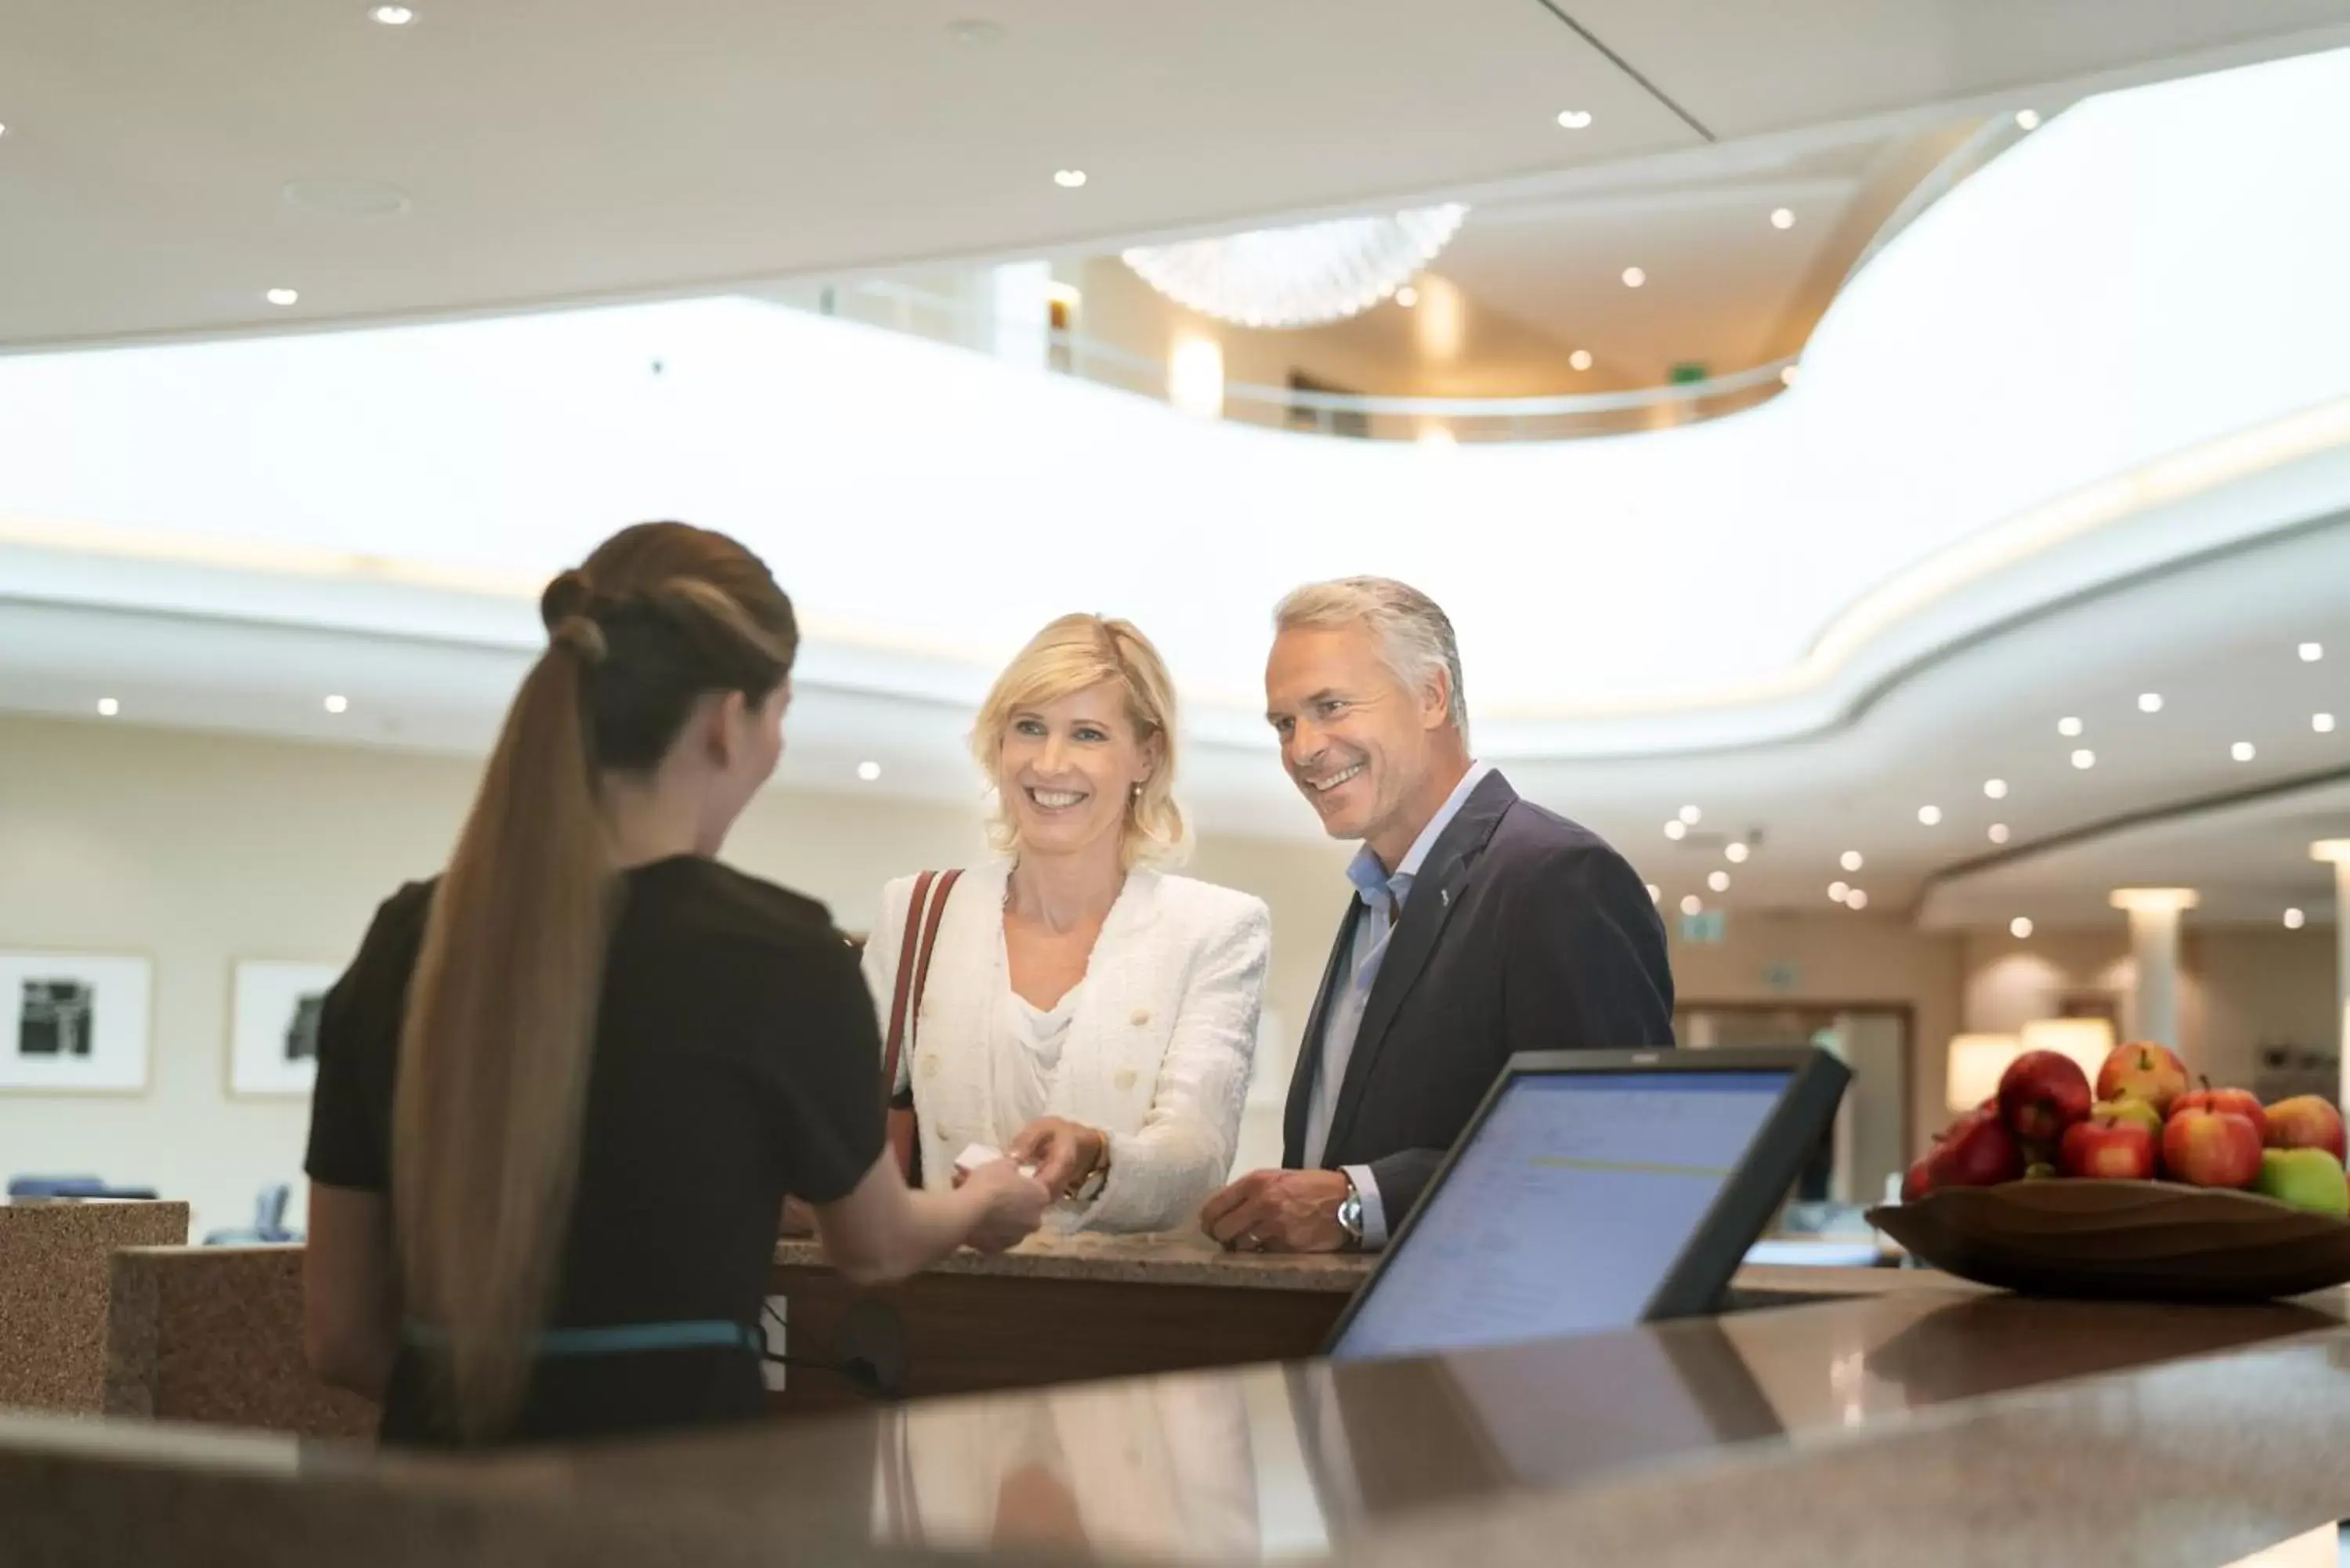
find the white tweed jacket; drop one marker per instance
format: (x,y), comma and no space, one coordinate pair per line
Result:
(1158,1051)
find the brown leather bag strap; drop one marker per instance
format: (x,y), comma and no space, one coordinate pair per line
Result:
(923,913)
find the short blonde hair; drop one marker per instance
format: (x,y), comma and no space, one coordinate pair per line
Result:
(1071,654)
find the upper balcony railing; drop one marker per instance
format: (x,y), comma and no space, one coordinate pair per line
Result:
(973,322)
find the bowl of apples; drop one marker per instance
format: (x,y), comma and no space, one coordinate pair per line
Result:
(2144,1186)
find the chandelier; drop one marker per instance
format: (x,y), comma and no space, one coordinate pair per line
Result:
(1300,277)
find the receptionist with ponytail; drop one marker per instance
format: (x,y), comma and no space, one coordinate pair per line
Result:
(565,1087)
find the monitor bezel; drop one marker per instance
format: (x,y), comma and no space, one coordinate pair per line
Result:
(1757,1185)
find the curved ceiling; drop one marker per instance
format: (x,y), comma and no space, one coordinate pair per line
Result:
(2063,374)
(2077,435)
(540,151)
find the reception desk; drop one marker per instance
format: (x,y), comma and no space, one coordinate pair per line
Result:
(1058,1309)
(1920,1424)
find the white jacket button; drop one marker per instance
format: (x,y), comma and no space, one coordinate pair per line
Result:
(1125,1079)
(1141,1016)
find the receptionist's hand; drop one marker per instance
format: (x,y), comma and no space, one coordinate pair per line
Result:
(1278,1212)
(1064,1153)
(1010,1206)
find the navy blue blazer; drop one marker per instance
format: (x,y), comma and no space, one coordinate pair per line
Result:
(1523,931)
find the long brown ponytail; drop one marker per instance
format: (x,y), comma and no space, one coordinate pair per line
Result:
(496,1046)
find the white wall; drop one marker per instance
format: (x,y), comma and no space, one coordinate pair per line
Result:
(198,849)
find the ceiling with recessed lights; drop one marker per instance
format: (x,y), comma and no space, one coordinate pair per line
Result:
(2199,580)
(164,167)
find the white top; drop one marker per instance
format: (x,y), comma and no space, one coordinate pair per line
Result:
(1154,1049)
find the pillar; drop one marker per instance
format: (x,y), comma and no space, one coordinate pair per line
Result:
(2337,850)
(2153,914)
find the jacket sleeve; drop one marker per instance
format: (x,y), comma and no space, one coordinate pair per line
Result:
(1583,969)
(1160,1173)
(1586,968)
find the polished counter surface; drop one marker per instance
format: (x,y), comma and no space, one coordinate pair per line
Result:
(1920,1424)
(1175,1258)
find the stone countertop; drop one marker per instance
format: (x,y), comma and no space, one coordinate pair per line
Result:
(1173,1258)
(1920,1425)
(55,1259)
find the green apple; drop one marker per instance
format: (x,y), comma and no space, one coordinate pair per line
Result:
(2309,1178)
(2130,1108)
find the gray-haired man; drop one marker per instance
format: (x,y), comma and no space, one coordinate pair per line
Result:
(1482,925)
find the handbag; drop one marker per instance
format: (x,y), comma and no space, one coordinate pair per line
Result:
(923,912)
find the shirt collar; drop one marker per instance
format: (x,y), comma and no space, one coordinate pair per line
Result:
(1373,882)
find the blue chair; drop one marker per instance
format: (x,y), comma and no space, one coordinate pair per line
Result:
(268,1221)
(86,1187)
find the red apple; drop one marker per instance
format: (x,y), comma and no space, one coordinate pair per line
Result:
(2233,1102)
(2113,1147)
(2210,1148)
(2138,1111)
(2139,1071)
(1978,1151)
(2040,1093)
(1920,1180)
(2305,1121)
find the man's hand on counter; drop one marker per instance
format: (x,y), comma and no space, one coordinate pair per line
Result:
(1278,1212)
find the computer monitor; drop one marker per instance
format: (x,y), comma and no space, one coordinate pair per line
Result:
(1595,1191)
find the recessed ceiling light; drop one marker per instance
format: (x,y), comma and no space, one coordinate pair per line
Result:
(1407,297)
(1999,833)
(1855,900)
(1676,829)
(2295,919)
(1574,119)
(1692,905)
(392,16)
(338,704)
(2085,759)
(1634,277)
(108,706)
(1850,860)
(2020,927)
(2242,750)
(2322,722)
(2028,119)
(2068,728)
(1785,218)
(1719,881)
(1735,852)
(1788,375)
(1930,814)
(1839,891)
(2311,652)
(282,296)
(868,771)
(1580,360)
(4,131)
(1691,816)
(1069,178)
(1656,894)
(2149,702)
(1995,789)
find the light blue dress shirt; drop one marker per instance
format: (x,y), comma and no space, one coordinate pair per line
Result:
(1383,893)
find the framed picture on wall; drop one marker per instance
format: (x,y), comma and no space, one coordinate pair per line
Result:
(274,1026)
(75,1023)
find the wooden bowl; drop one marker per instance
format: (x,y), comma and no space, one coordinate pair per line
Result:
(2136,1240)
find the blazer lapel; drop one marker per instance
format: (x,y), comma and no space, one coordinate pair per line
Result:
(1309,1049)
(1425,913)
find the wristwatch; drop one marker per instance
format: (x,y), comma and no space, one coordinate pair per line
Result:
(1350,1217)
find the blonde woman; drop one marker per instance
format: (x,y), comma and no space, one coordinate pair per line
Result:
(1083,1010)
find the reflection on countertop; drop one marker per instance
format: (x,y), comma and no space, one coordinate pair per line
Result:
(1274,1462)
(1920,1423)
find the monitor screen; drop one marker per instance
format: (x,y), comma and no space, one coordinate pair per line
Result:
(1564,1211)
